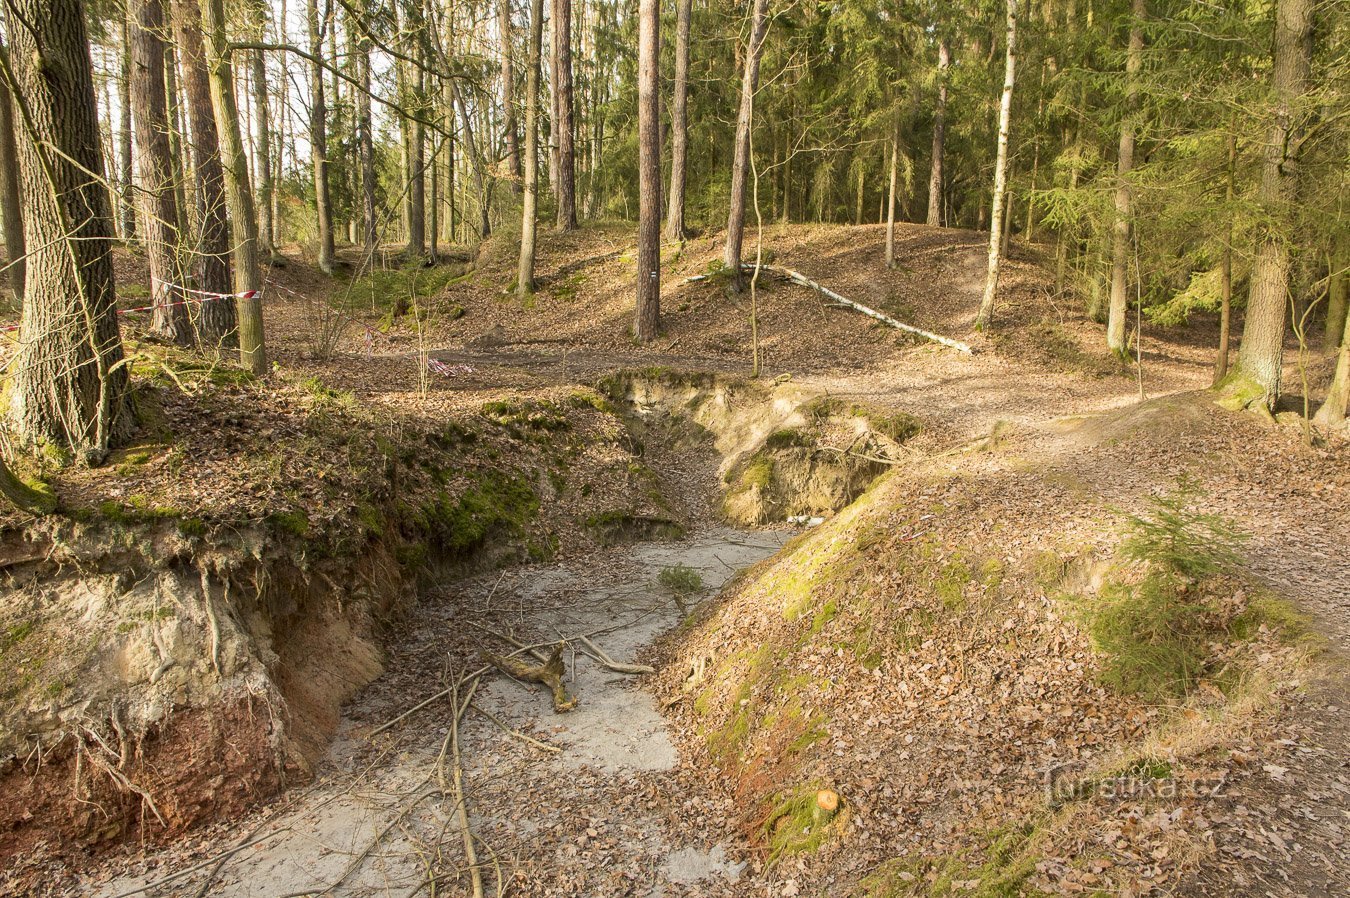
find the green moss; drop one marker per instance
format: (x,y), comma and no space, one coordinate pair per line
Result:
(791,827)
(294,522)
(493,502)
(999,870)
(324,395)
(788,438)
(824,615)
(951,584)
(372,520)
(897,426)
(192,527)
(523,416)
(591,399)
(622,526)
(1274,614)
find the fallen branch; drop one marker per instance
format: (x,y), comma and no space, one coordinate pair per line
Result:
(457,783)
(802,280)
(617,666)
(516,734)
(549,674)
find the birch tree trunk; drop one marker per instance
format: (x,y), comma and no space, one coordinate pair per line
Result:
(318,138)
(562,79)
(508,92)
(69,383)
(648,308)
(530,202)
(740,166)
(238,190)
(154,167)
(986,316)
(1262,348)
(890,197)
(127,210)
(263,128)
(939,136)
(679,123)
(1121,227)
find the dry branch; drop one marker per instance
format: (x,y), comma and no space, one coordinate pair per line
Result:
(550,674)
(617,666)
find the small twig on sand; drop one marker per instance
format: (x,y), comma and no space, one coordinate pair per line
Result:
(516,734)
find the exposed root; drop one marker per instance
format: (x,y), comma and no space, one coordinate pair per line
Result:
(549,674)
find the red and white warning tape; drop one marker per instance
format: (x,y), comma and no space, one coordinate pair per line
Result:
(206,296)
(448,370)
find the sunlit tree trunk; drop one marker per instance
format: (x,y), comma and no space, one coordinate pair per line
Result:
(69,384)
(986,316)
(262,122)
(1338,290)
(238,190)
(939,136)
(154,166)
(127,210)
(562,86)
(318,138)
(648,309)
(679,123)
(475,164)
(890,197)
(740,166)
(1121,226)
(508,92)
(1262,349)
(530,202)
(1226,273)
(11,193)
(365,144)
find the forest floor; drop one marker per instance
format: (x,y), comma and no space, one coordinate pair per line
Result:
(1053,429)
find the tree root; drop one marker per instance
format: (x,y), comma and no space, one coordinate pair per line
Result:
(549,674)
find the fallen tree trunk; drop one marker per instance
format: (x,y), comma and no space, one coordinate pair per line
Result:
(802,280)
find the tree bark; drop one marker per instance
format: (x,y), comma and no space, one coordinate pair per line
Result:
(1262,351)
(740,166)
(475,163)
(530,203)
(1338,290)
(365,141)
(890,197)
(238,190)
(11,193)
(127,210)
(1337,404)
(318,136)
(562,79)
(69,383)
(177,163)
(984,320)
(1226,271)
(217,321)
(508,92)
(679,124)
(154,167)
(263,127)
(647,319)
(1118,309)
(939,136)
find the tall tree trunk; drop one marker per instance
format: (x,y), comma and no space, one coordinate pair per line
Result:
(679,123)
(69,383)
(647,320)
(890,196)
(1337,404)
(127,212)
(939,136)
(263,128)
(1120,229)
(740,166)
(1338,289)
(217,321)
(154,167)
(1226,269)
(508,92)
(562,76)
(238,190)
(177,163)
(1262,349)
(365,141)
(530,203)
(475,163)
(984,320)
(318,136)
(11,194)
